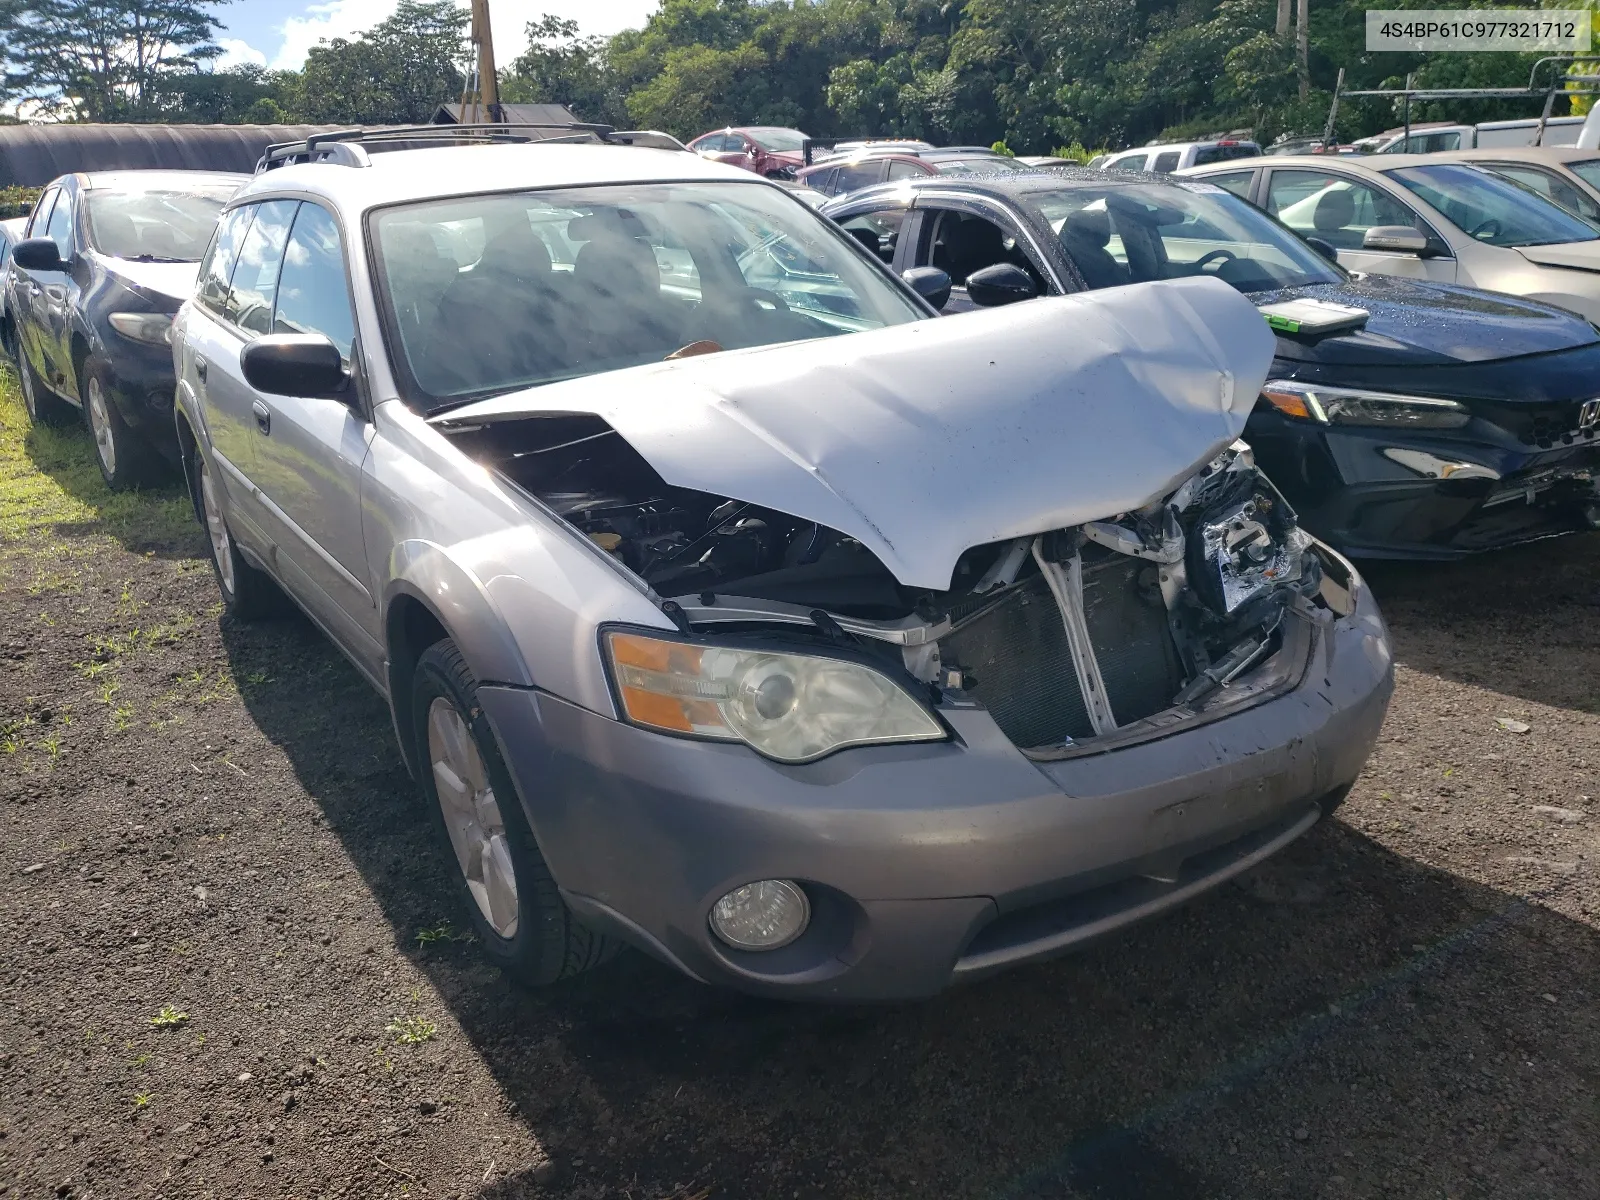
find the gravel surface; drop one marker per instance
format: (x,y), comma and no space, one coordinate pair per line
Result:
(231,967)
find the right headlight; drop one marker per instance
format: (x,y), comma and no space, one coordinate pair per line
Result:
(1359,406)
(790,707)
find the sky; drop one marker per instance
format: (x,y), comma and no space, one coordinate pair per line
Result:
(277,33)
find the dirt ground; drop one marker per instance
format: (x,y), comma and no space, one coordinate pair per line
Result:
(229,966)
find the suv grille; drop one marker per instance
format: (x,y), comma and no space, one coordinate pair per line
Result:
(1016,654)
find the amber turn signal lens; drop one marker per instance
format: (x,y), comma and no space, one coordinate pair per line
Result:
(1289,404)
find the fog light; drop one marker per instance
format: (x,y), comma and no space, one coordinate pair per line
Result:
(762,915)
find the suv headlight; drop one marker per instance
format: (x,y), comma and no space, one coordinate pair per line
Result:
(790,707)
(1357,406)
(150,328)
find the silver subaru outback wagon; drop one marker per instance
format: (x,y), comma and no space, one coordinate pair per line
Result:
(732,605)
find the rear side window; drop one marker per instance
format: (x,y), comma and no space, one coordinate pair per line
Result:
(217,270)
(313,296)
(1237,182)
(254,286)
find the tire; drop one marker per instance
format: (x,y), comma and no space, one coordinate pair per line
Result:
(43,408)
(248,594)
(124,460)
(526,929)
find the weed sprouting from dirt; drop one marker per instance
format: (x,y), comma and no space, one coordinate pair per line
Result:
(442,932)
(141,1101)
(412,1031)
(169,1017)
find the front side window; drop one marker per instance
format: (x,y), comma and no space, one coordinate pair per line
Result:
(1167,162)
(858,175)
(59,230)
(878,231)
(154,226)
(904,170)
(254,286)
(1335,208)
(39,219)
(1140,233)
(1493,210)
(217,270)
(1588,170)
(313,296)
(1134,162)
(526,289)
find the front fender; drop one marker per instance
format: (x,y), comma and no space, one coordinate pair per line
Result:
(458,599)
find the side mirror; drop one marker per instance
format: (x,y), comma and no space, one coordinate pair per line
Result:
(37,254)
(932,284)
(1002,283)
(1402,239)
(295,364)
(1323,248)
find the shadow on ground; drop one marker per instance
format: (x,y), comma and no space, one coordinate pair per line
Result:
(1290,1034)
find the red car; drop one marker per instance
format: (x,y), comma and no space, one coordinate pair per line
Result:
(765,149)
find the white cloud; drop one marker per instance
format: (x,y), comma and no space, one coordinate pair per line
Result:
(346,18)
(236,53)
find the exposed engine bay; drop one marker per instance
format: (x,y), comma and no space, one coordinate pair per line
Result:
(1066,636)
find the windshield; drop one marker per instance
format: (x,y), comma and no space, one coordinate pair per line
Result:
(1492,209)
(982,164)
(155,226)
(492,293)
(1137,233)
(777,139)
(1588,170)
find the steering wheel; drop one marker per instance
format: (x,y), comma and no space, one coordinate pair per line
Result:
(1219,255)
(1488,229)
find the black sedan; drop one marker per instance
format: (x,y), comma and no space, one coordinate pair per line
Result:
(1448,420)
(107,260)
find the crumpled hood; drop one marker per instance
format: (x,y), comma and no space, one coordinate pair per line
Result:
(1431,324)
(925,439)
(167,279)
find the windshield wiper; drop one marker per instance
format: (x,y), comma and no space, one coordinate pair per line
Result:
(153,258)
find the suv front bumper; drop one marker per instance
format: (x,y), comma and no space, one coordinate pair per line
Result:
(933,862)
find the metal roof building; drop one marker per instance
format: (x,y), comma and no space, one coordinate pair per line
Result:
(33,155)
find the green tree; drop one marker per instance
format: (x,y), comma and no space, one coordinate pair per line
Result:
(101,60)
(247,93)
(396,73)
(561,67)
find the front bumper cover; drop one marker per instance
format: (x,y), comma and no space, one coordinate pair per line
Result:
(935,862)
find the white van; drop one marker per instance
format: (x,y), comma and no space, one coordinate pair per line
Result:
(1488,135)
(1167,159)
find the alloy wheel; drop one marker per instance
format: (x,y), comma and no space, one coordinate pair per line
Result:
(105,442)
(216,528)
(472,817)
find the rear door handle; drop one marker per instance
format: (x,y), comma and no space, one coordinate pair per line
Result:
(200,369)
(263,416)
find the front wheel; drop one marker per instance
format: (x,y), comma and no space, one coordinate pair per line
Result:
(509,893)
(124,461)
(247,593)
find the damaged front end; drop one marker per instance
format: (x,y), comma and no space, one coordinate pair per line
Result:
(797,639)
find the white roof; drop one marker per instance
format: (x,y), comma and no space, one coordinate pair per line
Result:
(401,175)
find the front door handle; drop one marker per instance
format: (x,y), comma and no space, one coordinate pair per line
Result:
(200,369)
(263,416)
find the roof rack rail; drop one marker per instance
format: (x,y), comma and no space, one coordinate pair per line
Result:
(354,147)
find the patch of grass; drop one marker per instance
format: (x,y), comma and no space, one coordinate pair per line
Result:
(50,486)
(141,1059)
(140,1101)
(169,1017)
(122,718)
(412,1031)
(442,932)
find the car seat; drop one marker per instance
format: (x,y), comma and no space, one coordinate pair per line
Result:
(1084,236)
(494,326)
(1336,209)
(617,305)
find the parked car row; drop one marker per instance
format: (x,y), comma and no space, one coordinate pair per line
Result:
(772,589)
(644,494)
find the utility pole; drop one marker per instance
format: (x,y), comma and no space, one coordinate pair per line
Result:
(1302,35)
(483,86)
